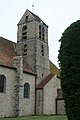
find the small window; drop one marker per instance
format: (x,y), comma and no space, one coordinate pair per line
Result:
(42,50)
(24,32)
(39,31)
(26,90)
(24,28)
(42,46)
(42,75)
(39,35)
(25,45)
(26,18)
(2,83)
(40,28)
(42,36)
(24,37)
(42,33)
(25,49)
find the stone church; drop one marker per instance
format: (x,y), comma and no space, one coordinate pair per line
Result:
(29,81)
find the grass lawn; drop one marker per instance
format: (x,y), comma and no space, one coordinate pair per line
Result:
(37,118)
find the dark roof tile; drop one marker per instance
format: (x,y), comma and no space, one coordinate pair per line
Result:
(45,80)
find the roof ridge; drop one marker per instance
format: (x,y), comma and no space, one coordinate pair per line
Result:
(44,81)
(7,53)
(37,17)
(7,40)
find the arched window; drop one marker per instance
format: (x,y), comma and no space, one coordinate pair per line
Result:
(24,28)
(24,32)
(41,32)
(26,90)
(2,83)
(25,45)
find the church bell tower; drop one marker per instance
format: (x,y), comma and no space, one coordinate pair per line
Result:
(32,43)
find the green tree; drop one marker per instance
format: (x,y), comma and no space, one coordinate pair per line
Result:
(69,62)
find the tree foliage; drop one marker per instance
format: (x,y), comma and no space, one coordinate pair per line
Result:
(69,62)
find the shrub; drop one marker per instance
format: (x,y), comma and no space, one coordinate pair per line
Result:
(69,62)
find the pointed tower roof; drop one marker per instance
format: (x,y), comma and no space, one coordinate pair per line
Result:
(27,12)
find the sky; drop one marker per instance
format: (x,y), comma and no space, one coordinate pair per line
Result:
(57,14)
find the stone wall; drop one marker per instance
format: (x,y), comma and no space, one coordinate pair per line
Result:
(18,87)
(34,58)
(39,102)
(50,94)
(7,98)
(29,104)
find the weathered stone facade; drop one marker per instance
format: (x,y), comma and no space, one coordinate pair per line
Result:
(27,63)
(8,99)
(50,93)
(18,87)
(35,36)
(34,58)
(46,97)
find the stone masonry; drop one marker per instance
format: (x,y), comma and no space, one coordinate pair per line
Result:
(18,64)
(28,71)
(30,38)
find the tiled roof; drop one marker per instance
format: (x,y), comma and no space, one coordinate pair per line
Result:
(7,52)
(44,81)
(26,68)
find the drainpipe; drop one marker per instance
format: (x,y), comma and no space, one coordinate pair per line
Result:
(35,95)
